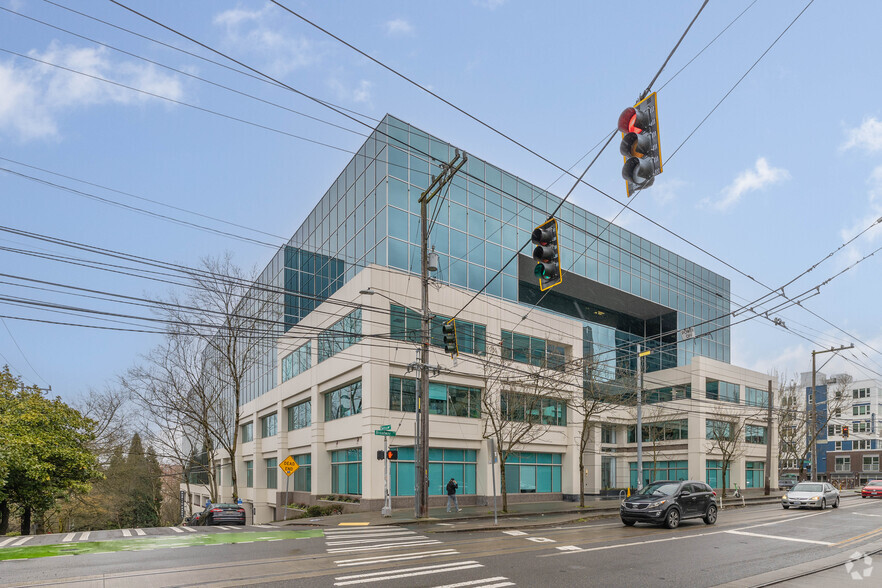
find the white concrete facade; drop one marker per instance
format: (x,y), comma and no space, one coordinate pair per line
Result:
(376,358)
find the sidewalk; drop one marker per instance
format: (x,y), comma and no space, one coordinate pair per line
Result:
(476,518)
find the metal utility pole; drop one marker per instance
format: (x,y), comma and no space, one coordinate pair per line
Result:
(421,458)
(640,356)
(768,486)
(814,412)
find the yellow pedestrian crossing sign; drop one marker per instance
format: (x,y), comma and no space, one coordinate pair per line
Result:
(288,465)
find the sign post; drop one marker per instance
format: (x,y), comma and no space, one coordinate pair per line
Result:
(289,466)
(386,431)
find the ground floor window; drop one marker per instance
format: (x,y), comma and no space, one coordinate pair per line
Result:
(346,471)
(533,472)
(755,474)
(249,474)
(660,470)
(272,467)
(460,464)
(714,476)
(301,480)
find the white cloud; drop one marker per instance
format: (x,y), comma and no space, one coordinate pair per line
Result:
(256,33)
(490,4)
(360,94)
(399,26)
(867,136)
(750,180)
(664,191)
(36,95)
(874,212)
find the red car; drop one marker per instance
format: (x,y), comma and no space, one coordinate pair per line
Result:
(872,489)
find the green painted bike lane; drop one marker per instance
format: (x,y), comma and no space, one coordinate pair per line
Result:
(149,543)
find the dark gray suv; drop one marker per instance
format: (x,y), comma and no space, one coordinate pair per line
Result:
(667,502)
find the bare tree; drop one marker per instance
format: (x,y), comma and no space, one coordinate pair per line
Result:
(791,422)
(815,424)
(726,435)
(229,316)
(595,399)
(519,403)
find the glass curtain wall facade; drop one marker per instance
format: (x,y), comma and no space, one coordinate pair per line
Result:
(370,214)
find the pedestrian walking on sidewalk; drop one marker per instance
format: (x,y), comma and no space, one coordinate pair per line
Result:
(451,495)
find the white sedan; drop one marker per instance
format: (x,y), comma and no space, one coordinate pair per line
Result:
(814,494)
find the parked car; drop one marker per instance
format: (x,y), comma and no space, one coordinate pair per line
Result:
(786,481)
(222,514)
(814,494)
(668,502)
(193,519)
(872,489)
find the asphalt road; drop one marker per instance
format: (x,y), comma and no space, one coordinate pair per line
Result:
(740,548)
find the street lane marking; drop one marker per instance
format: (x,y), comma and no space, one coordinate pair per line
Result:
(22,541)
(794,539)
(140,532)
(5,541)
(866,535)
(405,573)
(85,536)
(353,524)
(384,546)
(175,529)
(514,533)
(481,582)
(569,548)
(374,540)
(540,540)
(68,537)
(126,533)
(190,529)
(863,514)
(362,531)
(360,561)
(336,536)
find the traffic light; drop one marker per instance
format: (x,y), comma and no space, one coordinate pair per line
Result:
(449,331)
(392,454)
(381,454)
(640,144)
(547,255)
(845,431)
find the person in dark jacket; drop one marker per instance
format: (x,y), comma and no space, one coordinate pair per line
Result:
(451,495)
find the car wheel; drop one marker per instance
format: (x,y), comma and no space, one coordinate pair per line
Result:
(672,519)
(823,504)
(710,517)
(836,504)
(628,522)
(786,506)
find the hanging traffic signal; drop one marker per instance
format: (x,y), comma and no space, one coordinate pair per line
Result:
(392,454)
(449,331)
(640,144)
(845,432)
(547,255)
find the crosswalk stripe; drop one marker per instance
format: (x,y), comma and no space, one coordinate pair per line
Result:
(375,540)
(481,582)
(140,532)
(175,529)
(22,541)
(126,533)
(362,561)
(383,546)
(190,529)
(265,526)
(367,530)
(396,534)
(405,573)
(68,537)
(85,536)
(5,541)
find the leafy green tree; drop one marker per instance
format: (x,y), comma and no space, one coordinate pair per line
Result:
(44,451)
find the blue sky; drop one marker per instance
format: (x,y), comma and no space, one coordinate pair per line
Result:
(786,169)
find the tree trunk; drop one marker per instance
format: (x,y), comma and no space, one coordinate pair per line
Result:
(502,485)
(582,478)
(725,469)
(4,517)
(233,478)
(26,521)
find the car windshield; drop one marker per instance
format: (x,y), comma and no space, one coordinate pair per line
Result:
(808,488)
(224,505)
(660,489)
(874,483)
(788,476)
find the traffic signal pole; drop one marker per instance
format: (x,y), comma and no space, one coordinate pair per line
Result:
(421,442)
(814,412)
